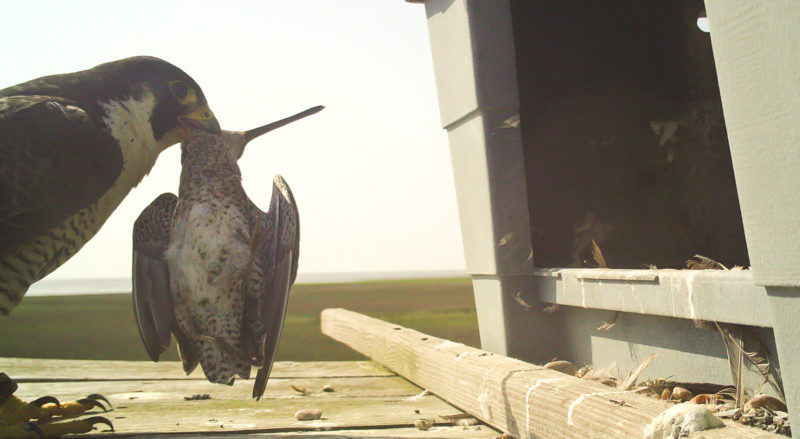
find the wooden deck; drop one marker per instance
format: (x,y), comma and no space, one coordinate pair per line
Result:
(149,398)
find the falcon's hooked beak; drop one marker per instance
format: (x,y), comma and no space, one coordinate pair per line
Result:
(202,118)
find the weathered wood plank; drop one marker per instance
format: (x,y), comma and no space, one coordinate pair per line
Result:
(511,395)
(122,392)
(370,405)
(142,416)
(31,369)
(437,432)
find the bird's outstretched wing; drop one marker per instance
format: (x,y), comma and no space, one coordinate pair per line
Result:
(282,252)
(54,161)
(152,301)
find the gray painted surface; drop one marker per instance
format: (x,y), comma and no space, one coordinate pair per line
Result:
(755,47)
(473,54)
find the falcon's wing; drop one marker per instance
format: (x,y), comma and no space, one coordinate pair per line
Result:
(152,301)
(282,252)
(54,161)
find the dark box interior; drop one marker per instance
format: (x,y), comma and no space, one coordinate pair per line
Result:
(624,136)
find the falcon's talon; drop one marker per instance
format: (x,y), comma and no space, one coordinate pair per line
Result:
(97,396)
(89,403)
(95,420)
(39,402)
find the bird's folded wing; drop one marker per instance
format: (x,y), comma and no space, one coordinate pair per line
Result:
(283,251)
(152,301)
(54,161)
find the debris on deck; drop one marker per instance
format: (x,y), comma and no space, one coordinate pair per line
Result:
(522,399)
(151,398)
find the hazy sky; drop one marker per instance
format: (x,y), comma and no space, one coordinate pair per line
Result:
(371,173)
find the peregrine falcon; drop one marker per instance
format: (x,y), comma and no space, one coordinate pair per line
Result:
(71,148)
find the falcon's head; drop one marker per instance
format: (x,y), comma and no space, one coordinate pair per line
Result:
(141,97)
(177,98)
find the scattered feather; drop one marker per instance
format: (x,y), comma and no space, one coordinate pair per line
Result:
(419,396)
(700,262)
(631,380)
(505,239)
(744,347)
(608,324)
(521,301)
(597,255)
(551,308)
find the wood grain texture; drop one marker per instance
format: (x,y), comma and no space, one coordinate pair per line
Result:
(28,369)
(366,401)
(436,432)
(513,396)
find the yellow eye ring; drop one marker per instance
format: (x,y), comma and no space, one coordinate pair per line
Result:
(184,94)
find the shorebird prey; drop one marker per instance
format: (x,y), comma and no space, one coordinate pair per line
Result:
(213,269)
(71,148)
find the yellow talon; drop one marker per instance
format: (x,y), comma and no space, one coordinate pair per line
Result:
(15,414)
(75,426)
(69,409)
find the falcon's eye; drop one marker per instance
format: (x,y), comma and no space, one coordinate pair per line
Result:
(182,92)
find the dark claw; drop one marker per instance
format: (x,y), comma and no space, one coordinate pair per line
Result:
(92,403)
(7,387)
(94,420)
(44,400)
(35,428)
(99,397)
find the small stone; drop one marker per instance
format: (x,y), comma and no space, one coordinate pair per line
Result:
(610,382)
(466,422)
(327,388)
(681,394)
(562,366)
(706,398)
(423,424)
(666,394)
(308,414)
(765,401)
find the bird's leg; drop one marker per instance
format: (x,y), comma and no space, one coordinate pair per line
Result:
(15,414)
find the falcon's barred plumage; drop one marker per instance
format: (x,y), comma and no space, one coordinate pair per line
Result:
(71,148)
(213,269)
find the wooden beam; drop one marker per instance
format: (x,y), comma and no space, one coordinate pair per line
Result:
(520,398)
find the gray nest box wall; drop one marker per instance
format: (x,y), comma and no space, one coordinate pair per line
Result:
(573,122)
